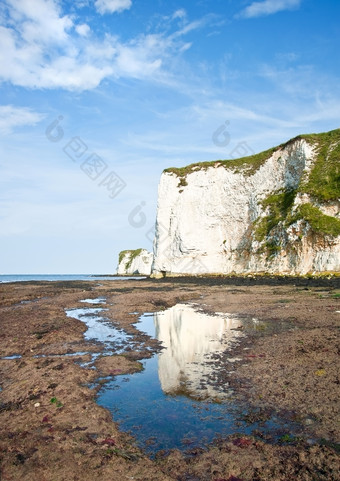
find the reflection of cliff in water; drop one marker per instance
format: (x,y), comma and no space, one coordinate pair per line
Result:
(189,337)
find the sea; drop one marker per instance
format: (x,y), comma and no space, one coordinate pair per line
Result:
(60,277)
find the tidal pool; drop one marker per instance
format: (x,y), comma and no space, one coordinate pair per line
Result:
(170,404)
(98,328)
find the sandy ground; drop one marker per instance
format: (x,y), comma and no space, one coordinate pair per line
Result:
(52,429)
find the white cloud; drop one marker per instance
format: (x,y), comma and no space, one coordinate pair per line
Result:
(136,59)
(268,7)
(40,20)
(12,117)
(83,30)
(299,81)
(112,6)
(42,48)
(38,49)
(180,13)
(189,27)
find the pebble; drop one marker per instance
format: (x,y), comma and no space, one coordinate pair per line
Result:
(37,405)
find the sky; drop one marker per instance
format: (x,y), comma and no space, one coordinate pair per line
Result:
(97,97)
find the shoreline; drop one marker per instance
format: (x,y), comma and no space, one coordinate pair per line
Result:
(326,281)
(36,438)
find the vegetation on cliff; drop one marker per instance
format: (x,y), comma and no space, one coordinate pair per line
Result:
(132,255)
(249,165)
(279,207)
(323,182)
(281,215)
(322,185)
(319,222)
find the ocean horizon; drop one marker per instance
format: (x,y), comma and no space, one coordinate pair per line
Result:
(5,278)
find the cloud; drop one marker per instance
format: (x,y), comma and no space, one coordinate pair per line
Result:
(287,57)
(40,20)
(43,48)
(112,6)
(12,117)
(39,49)
(180,13)
(189,27)
(299,81)
(134,60)
(83,29)
(268,7)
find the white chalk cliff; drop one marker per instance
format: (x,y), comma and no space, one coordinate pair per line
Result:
(134,262)
(276,212)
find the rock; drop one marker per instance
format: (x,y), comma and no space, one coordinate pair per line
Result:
(134,262)
(265,213)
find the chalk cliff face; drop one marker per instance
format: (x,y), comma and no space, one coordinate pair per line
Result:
(275,212)
(134,262)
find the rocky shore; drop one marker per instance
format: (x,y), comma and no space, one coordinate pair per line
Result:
(52,428)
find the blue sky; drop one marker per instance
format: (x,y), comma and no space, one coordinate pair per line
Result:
(97,97)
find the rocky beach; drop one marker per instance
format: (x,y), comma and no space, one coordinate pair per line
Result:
(52,427)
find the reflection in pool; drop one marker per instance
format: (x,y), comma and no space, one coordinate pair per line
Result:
(189,337)
(168,404)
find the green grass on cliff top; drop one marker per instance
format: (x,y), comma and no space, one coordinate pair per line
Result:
(323,182)
(251,163)
(133,252)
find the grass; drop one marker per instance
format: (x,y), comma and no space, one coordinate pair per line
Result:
(133,254)
(56,401)
(319,222)
(122,254)
(288,439)
(279,205)
(323,182)
(249,165)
